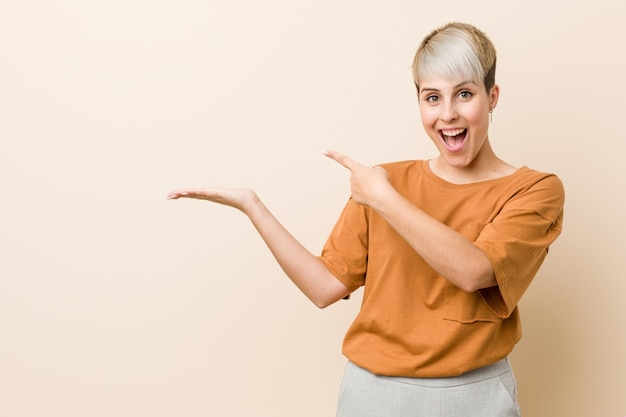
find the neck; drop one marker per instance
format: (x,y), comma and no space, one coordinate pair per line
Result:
(485,166)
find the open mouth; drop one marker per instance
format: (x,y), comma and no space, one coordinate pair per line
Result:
(453,138)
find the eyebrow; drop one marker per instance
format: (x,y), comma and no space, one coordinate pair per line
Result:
(455,87)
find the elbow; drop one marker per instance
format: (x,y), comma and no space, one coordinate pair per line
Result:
(331,291)
(474,274)
(469,287)
(476,278)
(322,303)
(327,299)
(478,282)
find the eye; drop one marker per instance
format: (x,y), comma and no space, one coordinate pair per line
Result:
(465,94)
(432,98)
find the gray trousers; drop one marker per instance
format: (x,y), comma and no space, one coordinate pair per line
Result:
(484,392)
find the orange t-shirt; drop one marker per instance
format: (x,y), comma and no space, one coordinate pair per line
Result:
(415,323)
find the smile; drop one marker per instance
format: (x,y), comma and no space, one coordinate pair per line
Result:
(453,138)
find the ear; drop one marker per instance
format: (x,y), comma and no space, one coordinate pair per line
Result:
(493,96)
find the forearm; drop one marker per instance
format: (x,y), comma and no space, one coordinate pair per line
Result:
(445,250)
(448,252)
(306,270)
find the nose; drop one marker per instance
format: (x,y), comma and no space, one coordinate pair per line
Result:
(448,112)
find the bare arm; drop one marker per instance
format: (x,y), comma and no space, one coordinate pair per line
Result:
(305,270)
(445,250)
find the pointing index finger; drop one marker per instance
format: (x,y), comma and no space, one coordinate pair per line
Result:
(340,158)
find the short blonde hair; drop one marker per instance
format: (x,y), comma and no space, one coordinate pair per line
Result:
(456,51)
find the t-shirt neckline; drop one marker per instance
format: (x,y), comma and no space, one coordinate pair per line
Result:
(430,174)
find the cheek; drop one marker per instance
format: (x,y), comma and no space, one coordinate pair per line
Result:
(428,116)
(477,115)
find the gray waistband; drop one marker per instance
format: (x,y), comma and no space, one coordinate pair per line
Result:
(480,374)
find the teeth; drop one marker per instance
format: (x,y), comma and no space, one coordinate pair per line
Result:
(453,132)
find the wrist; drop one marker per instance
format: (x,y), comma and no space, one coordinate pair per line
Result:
(251,204)
(385,200)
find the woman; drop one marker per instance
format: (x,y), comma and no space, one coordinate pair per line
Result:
(444,248)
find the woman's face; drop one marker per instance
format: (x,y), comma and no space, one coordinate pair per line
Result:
(455,115)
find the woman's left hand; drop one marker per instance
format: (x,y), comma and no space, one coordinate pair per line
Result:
(369,185)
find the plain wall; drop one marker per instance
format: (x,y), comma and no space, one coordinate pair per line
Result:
(117,302)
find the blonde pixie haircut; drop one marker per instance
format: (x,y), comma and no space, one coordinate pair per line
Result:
(456,51)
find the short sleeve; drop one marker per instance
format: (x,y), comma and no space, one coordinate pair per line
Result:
(517,240)
(345,250)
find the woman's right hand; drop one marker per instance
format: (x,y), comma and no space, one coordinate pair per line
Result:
(239,198)
(306,270)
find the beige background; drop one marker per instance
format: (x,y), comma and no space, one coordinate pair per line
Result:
(116,302)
